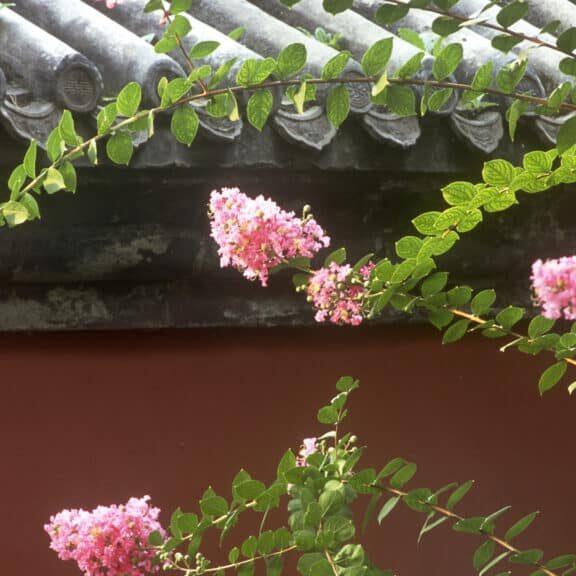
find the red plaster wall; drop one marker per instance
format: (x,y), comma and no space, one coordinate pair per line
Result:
(95,418)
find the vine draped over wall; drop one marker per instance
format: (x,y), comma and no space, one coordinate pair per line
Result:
(257,237)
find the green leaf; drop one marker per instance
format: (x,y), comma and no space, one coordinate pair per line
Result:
(412,37)
(426,223)
(389,505)
(520,526)
(184,124)
(259,108)
(16,181)
(551,376)
(335,66)
(15,213)
(203,49)
(539,325)
(106,118)
(483,553)
(567,40)
(237,34)
(338,256)
(527,557)
(69,175)
(513,115)
(93,152)
(177,6)
(29,162)
(482,302)
(458,494)
(376,58)
(304,539)
(214,506)
(250,489)
(437,99)
(561,561)
(408,246)
(155,538)
(291,60)
(221,73)
(68,129)
(505,42)
(152,6)
(483,76)
(29,202)
(336,6)
(129,99)
(568,66)
(403,271)
(55,146)
(509,76)
(456,331)
(179,28)
(249,547)
(434,284)
(469,525)
(120,148)
(509,316)
(53,182)
(566,135)
(328,415)
(498,172)
(306,561)
(457,193)
(445,25)
(447,61)
(403,476)
(391,467)
(440,318)
(459,296)
(511,13)
(390,13)
(254,72)
(347,384)
(338,105)
(410,67)
(400,99)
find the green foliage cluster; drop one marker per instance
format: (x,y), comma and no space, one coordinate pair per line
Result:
(321,528)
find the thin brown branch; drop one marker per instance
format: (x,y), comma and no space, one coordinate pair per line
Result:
(480,322)
(526,37)
(189,63)
(79,150)
(449,514)
(193,572)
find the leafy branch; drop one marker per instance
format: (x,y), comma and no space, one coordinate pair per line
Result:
(509,15)
(65,145)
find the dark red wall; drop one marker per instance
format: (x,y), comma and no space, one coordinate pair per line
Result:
(96,418)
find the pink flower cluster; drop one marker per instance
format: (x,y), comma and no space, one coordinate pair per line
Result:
(254,234)
(309,447)
(110,540)
(554,284)
(338,294)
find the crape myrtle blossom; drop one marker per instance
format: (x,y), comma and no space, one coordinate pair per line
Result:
(554,285)
(254,234)
(110,540)
(338,293)
(309,447)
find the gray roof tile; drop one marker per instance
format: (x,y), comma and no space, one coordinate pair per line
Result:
(72,53)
